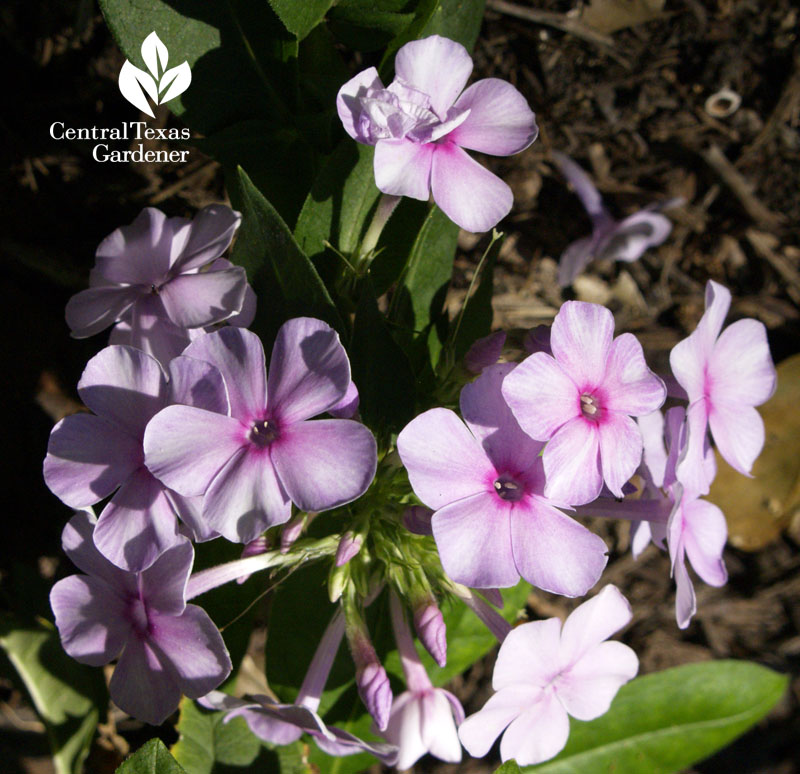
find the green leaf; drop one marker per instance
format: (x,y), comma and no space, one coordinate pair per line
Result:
(240,54)
(151,758)
(334,212)
(509,767)
(367,29)
(665,722)
(458,20)
(381,369)
(68,696)
(284,279)
(301,17)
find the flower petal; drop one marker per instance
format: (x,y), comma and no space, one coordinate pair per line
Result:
(469,194)
(577,256)
(738,433)
(93,310)
(308,371)
(741,368)
(77,540)
(528,656)
(444,460)
(403,168)
(474,540)
(197,383)
(537,734)
(211,233)
(690,469)
(499,122)
(581,339)
(479,731)
(325,463)
(704,533)
(163,584)
(629,385)
(437,66)
(439,734)
(239,356)
(630,238)
(147,327)
(572,463)
(195,300)
(246,497)
(620,450)
(348,103)
(583,185)
(553,551)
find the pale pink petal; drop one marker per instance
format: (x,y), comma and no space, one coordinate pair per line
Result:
(741,368)
(553,551)
(444,460)
(469,194)
(629,385)
(185,447)
(124,386)
(473,536)
(197,383)
(583,185)
(90,617)
(211,232)
(308,371)
(437,66)
(620,450)
(348,103)
(405,729)
(704,533)
(634,235)
(148,328)
(439,733)
(651,426)
(246,497)
(685,600)
(403,168)
(142,686)
(479,731)
(572,463)
(138,525)
(738,432)
(163,584)
(537,734)
(541,396)
(195,300)
(499,122)
(587,689)
(529,656)
(593,622)
(93,310)
(325,463)
(193,646)
(239,356)
(581,340)
(577,256)
(88,458)
(690,469)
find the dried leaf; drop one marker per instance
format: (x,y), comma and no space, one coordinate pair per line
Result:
(607,16)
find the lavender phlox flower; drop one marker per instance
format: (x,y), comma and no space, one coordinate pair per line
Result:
(484,352)
(725,376)
(165,647)
(253,463)
(545,672)
(417,519)
(89,456)
(486,483)
(623,240)
(581,401)
(423,718)
(279,723)
(161,276)
(420,125)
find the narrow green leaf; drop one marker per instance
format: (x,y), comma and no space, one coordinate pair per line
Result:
(151,758)
(458,20)
(284,279)
(68,696)
(301,18)
(381,369)
(665,722)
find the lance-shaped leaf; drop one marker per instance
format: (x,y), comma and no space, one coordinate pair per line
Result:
(175,80)
(154,52)
(132,81)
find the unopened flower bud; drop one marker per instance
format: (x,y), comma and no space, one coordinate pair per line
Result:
(349,546)
(254,548)
(538,340)
(338,579)
(417,519)
(484,352)
(291,532)
(431,630)
(375,691)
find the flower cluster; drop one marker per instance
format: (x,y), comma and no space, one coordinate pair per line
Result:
(192,437)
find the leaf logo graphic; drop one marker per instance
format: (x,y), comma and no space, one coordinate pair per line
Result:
(160,84)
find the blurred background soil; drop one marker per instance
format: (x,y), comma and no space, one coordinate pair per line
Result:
(629,89)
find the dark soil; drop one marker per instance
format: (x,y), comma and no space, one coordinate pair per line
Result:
(631,108)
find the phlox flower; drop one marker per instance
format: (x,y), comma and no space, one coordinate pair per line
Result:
(623,240)
(581,401)
(253,462)
(545,672)
(485,481)
(165,647)
(725,376)
(420,125)
(161,277)
(90,456)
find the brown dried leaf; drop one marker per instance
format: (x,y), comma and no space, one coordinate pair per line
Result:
(607,16)
(758,509)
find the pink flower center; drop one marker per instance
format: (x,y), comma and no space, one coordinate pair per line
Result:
(263,432)
(508,489)
(590,406)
